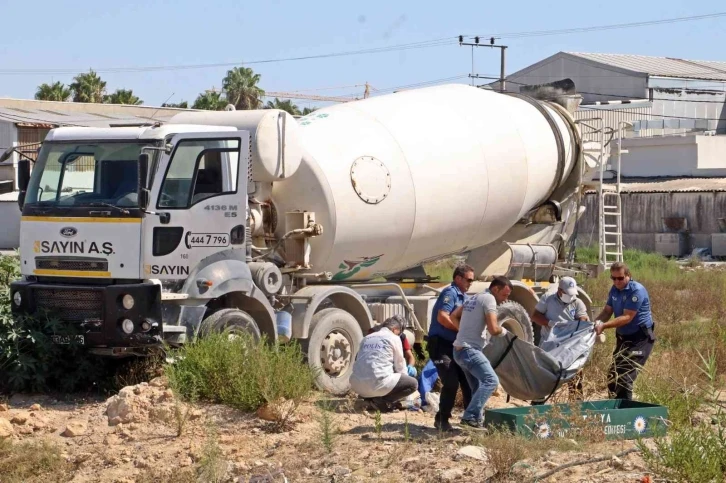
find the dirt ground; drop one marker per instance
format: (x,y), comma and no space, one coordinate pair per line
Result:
(133,437)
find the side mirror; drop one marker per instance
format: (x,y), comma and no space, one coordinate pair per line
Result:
(23,180)
(143,180)
(23,174)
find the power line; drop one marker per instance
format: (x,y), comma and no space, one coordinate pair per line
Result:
(392,48)
(541,33)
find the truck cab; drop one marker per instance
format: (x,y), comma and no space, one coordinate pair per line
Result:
(114,220)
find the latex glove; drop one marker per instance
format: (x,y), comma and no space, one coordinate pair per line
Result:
(599,331)
(412,371)
(503,332)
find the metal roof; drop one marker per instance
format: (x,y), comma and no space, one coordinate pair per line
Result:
(660,66)
(679,185)
(59,118)
(45,113)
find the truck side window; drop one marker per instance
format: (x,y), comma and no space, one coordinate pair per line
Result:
(200,169)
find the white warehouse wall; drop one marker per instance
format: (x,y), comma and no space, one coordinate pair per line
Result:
(690,155)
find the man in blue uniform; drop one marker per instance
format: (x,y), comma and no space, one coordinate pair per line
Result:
(634,329)
(441,337)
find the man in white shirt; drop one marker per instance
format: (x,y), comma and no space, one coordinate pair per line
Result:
(380,374)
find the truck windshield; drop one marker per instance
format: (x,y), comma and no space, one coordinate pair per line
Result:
(88,174)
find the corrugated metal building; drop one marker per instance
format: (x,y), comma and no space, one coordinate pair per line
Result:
(25,123)
(655,88)
(648,203)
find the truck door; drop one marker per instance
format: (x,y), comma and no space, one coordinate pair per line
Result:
(200,195)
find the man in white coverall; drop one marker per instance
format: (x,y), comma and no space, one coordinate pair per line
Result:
(380,374)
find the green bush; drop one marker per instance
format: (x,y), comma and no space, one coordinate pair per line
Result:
(239,373)
(30,361)
(690,454)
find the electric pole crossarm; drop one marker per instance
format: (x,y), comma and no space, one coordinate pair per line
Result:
(503,58)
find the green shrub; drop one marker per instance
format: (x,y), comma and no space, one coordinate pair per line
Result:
(690,454)
(30,361)
(239,373)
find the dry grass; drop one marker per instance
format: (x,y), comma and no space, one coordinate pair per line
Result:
(505,449)
(39,462)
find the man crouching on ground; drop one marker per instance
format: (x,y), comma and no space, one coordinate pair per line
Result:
(380,375)
(479,315)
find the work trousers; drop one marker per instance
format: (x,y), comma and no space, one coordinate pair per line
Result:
(482,379)
(405,386)
(630,355)
(441,352)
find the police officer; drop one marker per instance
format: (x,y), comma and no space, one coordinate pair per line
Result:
(561,306)
(628,301)
(441,337)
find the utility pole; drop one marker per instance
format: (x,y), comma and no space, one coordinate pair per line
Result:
(503,58)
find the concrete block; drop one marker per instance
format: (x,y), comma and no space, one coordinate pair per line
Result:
(718,244)
(671,244)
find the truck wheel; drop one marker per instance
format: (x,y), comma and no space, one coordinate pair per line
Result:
(331,349)
(235,321)
(513,317)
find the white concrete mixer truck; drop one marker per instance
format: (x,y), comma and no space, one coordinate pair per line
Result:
(313,229)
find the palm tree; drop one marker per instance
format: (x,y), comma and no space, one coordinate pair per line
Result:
(123,96)
(240,86)
(88,88)
(210,101)
(309,110)
(53,92)
(181,105)
(285,105)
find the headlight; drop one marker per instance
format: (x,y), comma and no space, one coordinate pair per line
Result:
(127,326)
(145,326)
(128,302)
(17,298)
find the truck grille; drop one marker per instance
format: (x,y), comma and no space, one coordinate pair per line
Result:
(72,305)
(76,264)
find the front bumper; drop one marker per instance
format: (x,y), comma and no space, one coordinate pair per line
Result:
(96,312)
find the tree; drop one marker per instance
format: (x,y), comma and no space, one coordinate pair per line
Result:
(285,105)
(123,96)
(240,86)
(88,87)
(181,105)
(53,92)
(210,101)
(309,110)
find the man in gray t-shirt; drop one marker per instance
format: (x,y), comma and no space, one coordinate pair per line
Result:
(560,307)
(478,319)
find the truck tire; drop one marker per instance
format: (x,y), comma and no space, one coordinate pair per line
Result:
(233,320)
(331,348)
(514,317)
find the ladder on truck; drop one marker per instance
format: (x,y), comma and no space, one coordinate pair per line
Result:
(611,208)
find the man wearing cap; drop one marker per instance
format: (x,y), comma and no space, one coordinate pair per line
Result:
(629,302)
(558,307)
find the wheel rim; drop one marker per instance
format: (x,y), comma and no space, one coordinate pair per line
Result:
(336,353)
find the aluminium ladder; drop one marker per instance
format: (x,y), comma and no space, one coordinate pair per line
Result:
(611,212)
